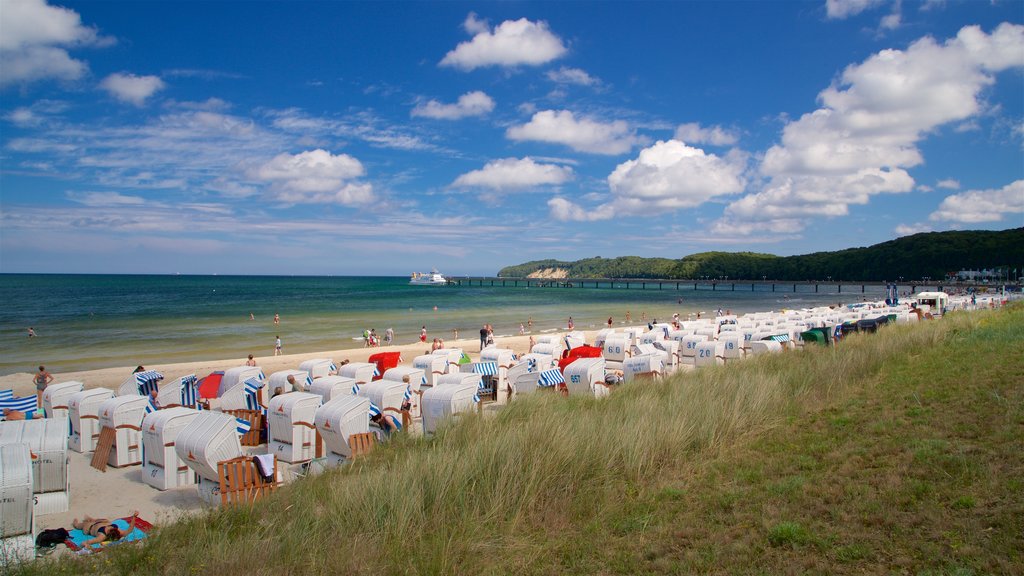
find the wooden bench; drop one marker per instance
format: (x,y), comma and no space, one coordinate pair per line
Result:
(255,417)
(240,481)
(362,443)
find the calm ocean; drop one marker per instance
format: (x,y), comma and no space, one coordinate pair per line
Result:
(98,321)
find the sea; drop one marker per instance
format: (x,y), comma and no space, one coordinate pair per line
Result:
(85,322)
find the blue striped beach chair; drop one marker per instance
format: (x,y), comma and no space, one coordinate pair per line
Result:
(27,404)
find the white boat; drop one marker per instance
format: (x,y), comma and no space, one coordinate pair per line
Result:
(432,278)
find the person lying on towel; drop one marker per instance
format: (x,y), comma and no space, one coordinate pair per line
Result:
(10,414)
(102,529)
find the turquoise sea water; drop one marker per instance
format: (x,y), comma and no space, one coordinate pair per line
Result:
(96,321)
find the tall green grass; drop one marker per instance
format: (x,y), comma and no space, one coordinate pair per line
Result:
(501,494)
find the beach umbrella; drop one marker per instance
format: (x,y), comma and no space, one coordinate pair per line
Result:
(209,385)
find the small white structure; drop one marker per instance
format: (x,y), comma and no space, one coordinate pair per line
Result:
(48,442)
(385,394)
(688,347)
(553,339)
(17,514)
(932,302)
(602,335)
(574,340)
(124,414)
(319,367)
(84,413)
(709,353)
(529,363)
(56,397)
(237,375)
(732,346)
(549,349)
(449,397)
(453,355)
(210,437)
(653,364)
(171,393)
(525,382)
(360,371)
(432,366)
(671,350)
(280,380)
(585,376)
(130,387)
(292,432)
(764,346)
(331,387)
(162,468)
(339,419)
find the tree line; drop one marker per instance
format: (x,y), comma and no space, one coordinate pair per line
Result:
(932,255)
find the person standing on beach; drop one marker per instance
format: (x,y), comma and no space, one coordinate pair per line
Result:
(31,332)
(571,324)
(389,336)
(42,379)
(251,316)
(423,334)
(251,361)
(522,329)
(529,323)
(610,322)
(483,337)
(277,345)
(277,319)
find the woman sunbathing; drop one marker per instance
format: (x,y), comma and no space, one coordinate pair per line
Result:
(102,529)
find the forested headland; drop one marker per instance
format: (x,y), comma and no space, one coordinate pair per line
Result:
(930,255)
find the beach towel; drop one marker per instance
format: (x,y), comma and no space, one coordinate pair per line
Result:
(77,538)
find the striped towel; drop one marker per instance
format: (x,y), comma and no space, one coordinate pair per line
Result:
(551,377)
(27,404)
(485,368)
(242,426)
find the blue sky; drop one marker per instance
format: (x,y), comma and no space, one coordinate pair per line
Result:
(382,138)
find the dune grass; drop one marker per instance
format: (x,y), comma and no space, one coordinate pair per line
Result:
(893,452)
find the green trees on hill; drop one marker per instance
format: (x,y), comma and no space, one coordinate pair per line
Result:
(931,254)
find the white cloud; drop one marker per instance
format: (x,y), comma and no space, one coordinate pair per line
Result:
(908,229)
(840,9)
(666,176)
(34,38)
(694,133)
(948,184)
(470,104)
(131,88)
(576,76)
(315,176)
(511,43)
(583,134)
(515,174)
(106,199)
(864,137)
(976,206)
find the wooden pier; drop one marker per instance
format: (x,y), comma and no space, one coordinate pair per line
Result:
(808,286)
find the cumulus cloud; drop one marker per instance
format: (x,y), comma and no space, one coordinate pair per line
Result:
(864,137)
(131,88)
(694,133)
(667,176)
(469,104)
(976,206)
(514,174)
(316,177)
(106,199)
(841,9)
(580,134)
(511,43)
(576,76)
(908,229)
(948,184)
(34,38)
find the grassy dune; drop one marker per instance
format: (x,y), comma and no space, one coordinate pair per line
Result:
(899,452)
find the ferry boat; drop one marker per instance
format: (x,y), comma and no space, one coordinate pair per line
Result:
(432,278)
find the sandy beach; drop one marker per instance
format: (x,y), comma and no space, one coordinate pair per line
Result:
(117,492)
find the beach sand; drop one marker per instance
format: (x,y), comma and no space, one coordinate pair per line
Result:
(117,492)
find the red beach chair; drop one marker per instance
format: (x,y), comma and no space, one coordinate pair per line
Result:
(384,361)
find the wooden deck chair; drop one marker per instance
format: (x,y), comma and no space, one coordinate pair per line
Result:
(240,481)
(362,443)
(252,437)
(647,375)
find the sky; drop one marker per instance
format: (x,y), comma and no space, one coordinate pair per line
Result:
(382,138)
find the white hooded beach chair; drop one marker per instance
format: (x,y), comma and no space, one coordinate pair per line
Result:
(617,347)
(209,439)
(671,350)
(182,391)
(388,396)
(292,437)
(17,513)
(47,440)
(602,335)
(525,382)
(645,365)
(235,376)
(709,353)
(56,397)
(280,380)
(319,367)
(432,366)
(331,387)
(546,348)
(123,415)
(454,394)
(140,383)
(453,356)
(361,371)
(732,346)
(84,413)
(337,421)
(161,466)
(688,347)
(502,359)
(574,339)
(586,376)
